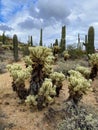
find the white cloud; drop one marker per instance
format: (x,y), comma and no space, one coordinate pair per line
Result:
(26,17)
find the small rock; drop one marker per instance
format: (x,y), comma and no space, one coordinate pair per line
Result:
(6,103)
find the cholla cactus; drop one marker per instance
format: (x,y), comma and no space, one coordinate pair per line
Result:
(57,79)
(28,61)
(66,55)
(19,76)
(43,81)
(48,91)
(31,100)
(83,70)
(78,85)
(56,49)
(93,59)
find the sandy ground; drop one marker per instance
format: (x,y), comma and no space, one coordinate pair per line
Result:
(17,116)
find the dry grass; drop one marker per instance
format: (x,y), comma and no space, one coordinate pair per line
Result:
(65,66)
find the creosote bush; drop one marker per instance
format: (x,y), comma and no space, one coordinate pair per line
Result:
(45,84)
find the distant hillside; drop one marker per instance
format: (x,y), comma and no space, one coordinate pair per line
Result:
(8,40)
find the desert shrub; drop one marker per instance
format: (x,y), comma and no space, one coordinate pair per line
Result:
(75,52)
(70,64)
(2,68)
(78,120)
(25,50)
(6,47)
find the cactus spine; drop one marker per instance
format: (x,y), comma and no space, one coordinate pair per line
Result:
(41,33)
(63,39)
(15,47)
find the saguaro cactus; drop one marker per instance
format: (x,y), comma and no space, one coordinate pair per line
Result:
(91,40)
(15,47)
(3,38)
(56,42)
(89,44)
(41,33)
(31,41)
(63,39)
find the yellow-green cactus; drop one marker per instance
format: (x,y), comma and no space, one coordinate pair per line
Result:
(66,55)
(78,85)
(83,70)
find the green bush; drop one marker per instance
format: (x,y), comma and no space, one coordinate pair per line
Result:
(79,119)
(25,50)
(75,52)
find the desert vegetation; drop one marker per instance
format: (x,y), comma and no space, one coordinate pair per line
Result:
(48,88)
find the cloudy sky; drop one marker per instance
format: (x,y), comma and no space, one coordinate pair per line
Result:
(26,17)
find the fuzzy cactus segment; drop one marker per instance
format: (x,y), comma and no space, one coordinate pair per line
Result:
(42,56)
(83,70)
(27,61)
(93,59)
(19,75)
(66,55)
(56,49)
(59,77)
(48,90)
(31,100)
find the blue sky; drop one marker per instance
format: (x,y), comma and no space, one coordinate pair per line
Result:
(26,17)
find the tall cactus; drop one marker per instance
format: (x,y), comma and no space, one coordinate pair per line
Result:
(15,47)
(41,34)
(80,44)
(31,41)
(3,38)
(89,43)
(91,47)
(63,39)
(56,42)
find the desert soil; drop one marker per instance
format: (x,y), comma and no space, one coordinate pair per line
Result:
(17,116)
